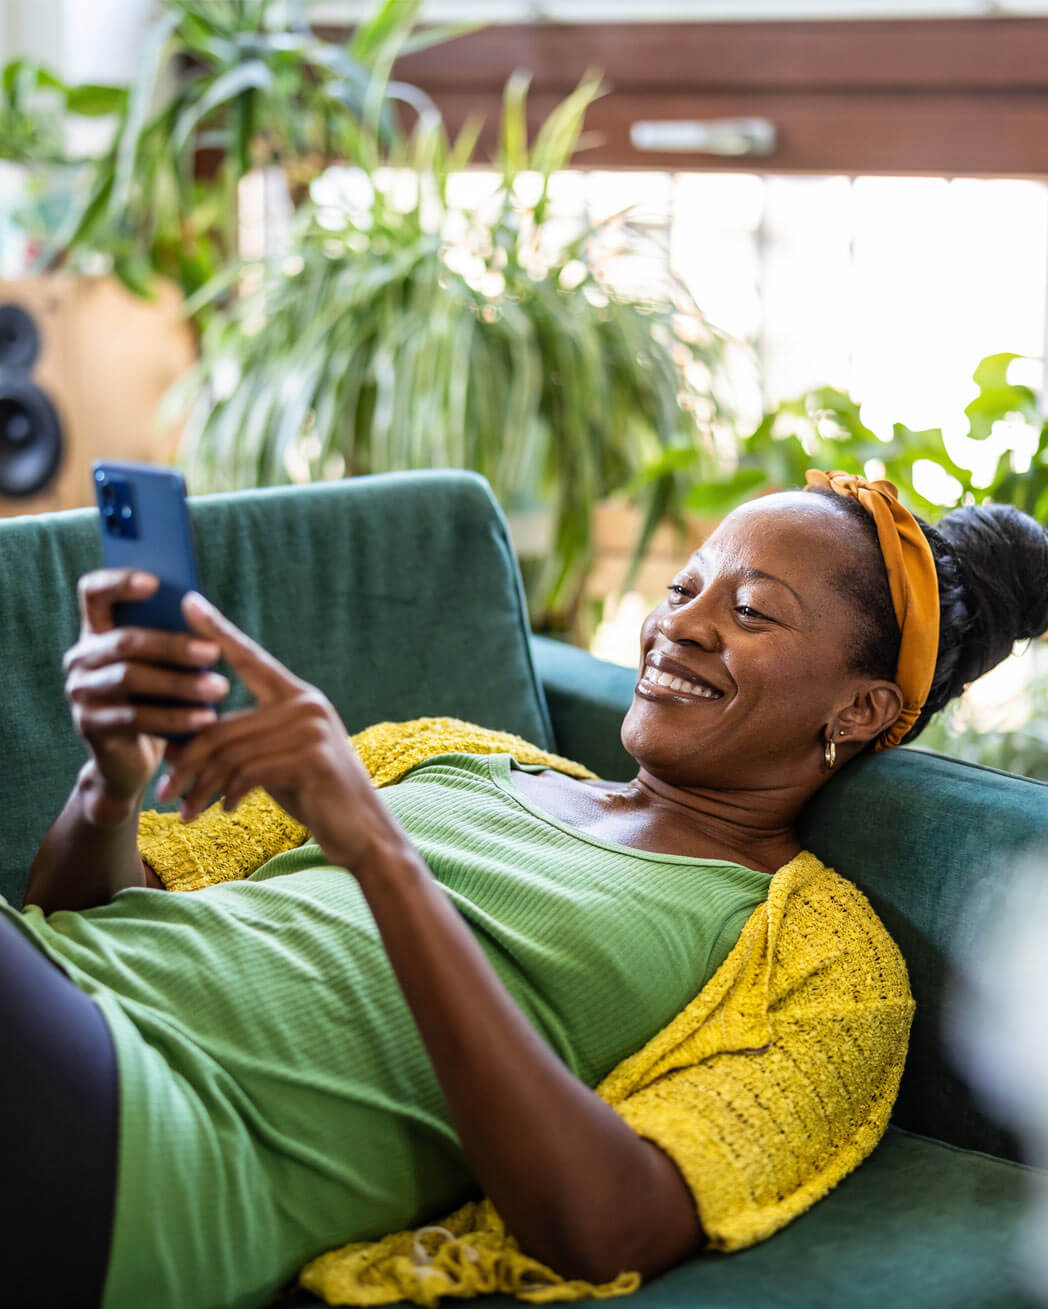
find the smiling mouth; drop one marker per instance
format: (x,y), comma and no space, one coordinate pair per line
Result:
(659,682)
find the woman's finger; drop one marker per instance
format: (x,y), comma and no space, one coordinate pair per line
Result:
(265,677)
(97,592)
(214,779)
(270,722)
(139,645)
(124,681)
(271,772)
(105,717)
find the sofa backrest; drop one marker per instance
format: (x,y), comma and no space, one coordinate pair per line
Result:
(398,595)
(918,833)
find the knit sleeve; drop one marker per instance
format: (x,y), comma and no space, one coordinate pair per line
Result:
(761,1134)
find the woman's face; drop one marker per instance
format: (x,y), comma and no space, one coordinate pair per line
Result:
(756,624)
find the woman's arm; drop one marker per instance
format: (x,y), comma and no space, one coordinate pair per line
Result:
(575,1185)
(90,852)
(84,861)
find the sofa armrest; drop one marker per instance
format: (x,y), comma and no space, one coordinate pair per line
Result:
(587,699)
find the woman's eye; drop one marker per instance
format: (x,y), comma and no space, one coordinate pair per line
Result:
(747,611)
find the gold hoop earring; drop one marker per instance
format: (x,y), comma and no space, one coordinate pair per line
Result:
(831,754)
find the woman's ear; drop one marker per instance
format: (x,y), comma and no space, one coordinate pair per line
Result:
(871,712)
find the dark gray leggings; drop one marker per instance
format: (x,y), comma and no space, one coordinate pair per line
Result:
(58,1116)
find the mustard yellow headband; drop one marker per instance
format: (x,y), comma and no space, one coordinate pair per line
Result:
(914,587)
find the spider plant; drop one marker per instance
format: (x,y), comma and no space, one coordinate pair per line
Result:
(405,330)
(224,88)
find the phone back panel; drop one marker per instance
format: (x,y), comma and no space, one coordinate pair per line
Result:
(157,538)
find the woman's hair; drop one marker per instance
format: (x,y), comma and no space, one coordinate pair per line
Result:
(992,565)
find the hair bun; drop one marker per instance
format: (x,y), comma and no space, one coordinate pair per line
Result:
(1001,556)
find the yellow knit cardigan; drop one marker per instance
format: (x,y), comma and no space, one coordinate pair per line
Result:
(770,1086)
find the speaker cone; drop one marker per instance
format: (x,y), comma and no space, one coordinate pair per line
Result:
(30,437)
(19,339)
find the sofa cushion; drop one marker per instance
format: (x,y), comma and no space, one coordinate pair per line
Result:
(919,1223)
(398,595)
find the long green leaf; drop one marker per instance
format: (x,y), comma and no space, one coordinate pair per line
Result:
(388,26)
(91,100)
(153,53)
(427,37)
(513,141)
(30,74)
(229,86)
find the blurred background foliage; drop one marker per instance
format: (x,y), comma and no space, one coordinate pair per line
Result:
(397,326)
(223,89)
(823,428)
(34,104)
(405,330)
(1013,738)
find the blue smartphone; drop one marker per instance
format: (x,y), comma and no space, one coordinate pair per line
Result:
(145,525)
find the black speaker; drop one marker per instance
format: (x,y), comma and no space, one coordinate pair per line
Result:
(31,439)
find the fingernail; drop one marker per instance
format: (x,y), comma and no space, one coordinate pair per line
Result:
(201,717)
(140,581)
(197,601)
(163,785)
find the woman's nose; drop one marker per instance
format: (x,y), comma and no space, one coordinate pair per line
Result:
(690,624)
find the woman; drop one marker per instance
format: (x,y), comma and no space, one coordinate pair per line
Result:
(806,631)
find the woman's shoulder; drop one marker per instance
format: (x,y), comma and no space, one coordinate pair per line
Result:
(827,925)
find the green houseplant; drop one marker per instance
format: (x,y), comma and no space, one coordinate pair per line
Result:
(222,89)
(404,330)
(824,428)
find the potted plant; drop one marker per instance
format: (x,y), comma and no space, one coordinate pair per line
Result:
(403,329)
(224,90)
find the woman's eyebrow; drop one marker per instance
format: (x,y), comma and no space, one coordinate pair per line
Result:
(750,574)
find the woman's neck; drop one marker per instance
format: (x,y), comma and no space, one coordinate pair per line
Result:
(755,828)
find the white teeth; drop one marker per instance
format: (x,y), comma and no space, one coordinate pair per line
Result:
(661,678)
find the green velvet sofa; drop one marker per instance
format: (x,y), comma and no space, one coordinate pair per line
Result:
(399,596)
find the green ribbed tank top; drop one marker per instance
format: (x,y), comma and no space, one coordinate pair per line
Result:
(276,1098)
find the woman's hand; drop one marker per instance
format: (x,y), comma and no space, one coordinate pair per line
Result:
(110,665)
(291,742)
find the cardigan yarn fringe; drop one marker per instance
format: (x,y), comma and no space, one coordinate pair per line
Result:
(768,1088)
